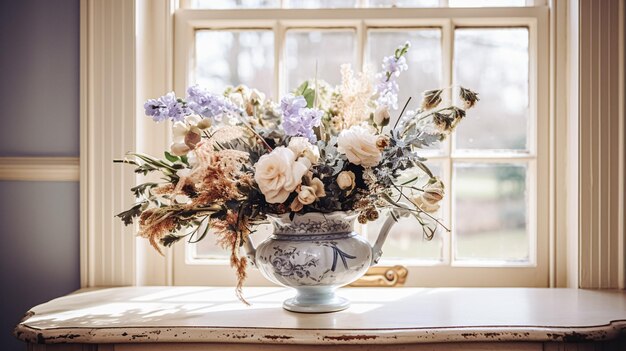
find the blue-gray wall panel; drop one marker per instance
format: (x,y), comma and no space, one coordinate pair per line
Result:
(39,248)
(39,77)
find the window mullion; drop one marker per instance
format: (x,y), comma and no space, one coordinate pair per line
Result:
(279,60)
(448,54)
(361,32)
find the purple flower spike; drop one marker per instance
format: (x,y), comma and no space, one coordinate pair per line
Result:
(299,120)
(209,105)
(167,106)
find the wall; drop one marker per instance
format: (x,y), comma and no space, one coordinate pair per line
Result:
(39,95)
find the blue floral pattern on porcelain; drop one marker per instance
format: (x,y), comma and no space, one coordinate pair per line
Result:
(315,254)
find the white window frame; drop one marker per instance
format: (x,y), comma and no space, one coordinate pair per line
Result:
(537,273)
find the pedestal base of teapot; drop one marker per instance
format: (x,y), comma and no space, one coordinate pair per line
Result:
(316,300)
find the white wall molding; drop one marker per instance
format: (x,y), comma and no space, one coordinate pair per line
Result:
(126,57)
(601,136)
(108,131)
(51,169)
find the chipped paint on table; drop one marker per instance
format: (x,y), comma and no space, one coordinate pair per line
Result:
(377,316)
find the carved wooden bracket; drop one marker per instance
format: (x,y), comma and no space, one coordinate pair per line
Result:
(383,276)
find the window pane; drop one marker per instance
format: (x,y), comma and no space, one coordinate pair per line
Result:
(235,57)
(490,206)
(234,4)
(494,62)
(330,49)
(403,3)
(486,3)
(406,239)
(320,4)
(424,60)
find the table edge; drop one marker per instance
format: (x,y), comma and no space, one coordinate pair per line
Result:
(113,335)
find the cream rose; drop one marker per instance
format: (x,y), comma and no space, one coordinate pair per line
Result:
(278,174)
(345,180)
(359,145)
(303,148)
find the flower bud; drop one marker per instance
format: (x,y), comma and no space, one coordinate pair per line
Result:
(296,205)
(345,180)
(192,139)
(205,123)
(318,187)
(257,97)
(179,149)
(382,116)
(307,195)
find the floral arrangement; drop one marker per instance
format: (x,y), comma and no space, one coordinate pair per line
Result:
(238,157)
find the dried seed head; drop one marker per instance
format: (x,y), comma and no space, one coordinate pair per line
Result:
(468,97)
(362,218)
(372,214)
(431,99)
(443,122)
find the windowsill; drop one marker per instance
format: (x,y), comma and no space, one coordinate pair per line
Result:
(377,315)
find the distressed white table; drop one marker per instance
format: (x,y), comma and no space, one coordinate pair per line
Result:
(205,318)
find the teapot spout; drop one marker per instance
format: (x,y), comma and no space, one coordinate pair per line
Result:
(377,249)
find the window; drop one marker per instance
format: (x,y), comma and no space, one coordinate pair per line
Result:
(495,166)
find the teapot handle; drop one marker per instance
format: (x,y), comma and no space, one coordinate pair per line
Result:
(250,250)
(377,249)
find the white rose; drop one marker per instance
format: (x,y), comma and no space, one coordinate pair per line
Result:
(382,115)
(306,196)
(359,145)
(302,147)
(345,180)
(278,174)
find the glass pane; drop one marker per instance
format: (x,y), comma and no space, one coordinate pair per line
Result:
(208,247)
(424,60)
(403,3)
(494,63)
(235,57)
(486,3)
(490,206)
(320,4)
(329,49)
(406,239)
(234,4)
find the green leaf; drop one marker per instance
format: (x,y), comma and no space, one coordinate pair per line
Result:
(184,159)
(128,215)
(309,96)
(302,88)
(171,157)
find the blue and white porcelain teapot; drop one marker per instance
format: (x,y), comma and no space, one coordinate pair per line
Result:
(316,253)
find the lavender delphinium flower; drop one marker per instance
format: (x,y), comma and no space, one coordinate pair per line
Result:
(167,106)
(209,105)
(298,120)
(387,86)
